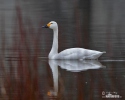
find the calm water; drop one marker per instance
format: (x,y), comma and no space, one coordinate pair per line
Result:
(43,79)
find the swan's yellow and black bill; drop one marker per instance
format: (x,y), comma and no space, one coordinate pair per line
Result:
(46,26)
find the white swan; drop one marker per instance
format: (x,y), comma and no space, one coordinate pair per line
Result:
(72,53)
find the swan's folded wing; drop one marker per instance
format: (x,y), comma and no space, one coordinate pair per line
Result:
(76,53)
(72,53)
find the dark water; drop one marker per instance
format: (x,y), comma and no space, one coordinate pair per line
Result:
(43,79)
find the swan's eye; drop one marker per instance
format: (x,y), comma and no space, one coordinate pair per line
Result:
(51,23)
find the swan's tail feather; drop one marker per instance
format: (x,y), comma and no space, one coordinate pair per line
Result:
(104,52)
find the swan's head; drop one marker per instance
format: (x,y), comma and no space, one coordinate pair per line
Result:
(51,25)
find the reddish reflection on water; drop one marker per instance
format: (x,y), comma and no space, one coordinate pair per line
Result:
(29,79)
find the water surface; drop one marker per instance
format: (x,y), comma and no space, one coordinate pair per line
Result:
(61,79)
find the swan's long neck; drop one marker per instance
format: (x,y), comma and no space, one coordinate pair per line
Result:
(54,49)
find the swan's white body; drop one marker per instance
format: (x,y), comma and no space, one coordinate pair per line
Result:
(72,53)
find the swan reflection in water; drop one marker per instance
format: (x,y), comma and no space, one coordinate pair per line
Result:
(70,65)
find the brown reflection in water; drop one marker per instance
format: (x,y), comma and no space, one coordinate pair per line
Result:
(21,81)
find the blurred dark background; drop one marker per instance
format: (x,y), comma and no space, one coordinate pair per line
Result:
(91,24)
